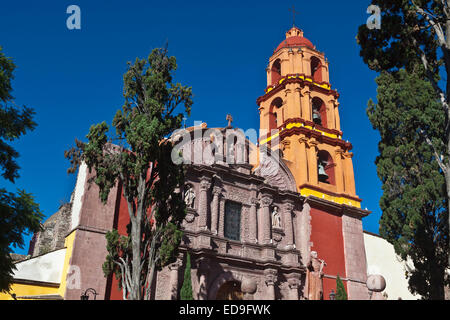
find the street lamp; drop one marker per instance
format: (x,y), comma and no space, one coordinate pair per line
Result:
(85,295)
(332,295)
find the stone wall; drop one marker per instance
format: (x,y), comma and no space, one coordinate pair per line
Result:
(355,257)
(55,229)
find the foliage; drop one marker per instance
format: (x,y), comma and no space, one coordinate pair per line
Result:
(142,166)
(411,50)
(341,294)
(414,201)
(18,212)
(186,289)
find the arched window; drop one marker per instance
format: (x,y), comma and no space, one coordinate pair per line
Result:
(232,226)
(276,71)
(319,112)
(316,69)
(325,168)
(274,113)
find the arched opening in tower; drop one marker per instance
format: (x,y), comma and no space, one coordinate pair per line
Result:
(325,168)
(319,112)
(275,114)
(276,71)
(316,69)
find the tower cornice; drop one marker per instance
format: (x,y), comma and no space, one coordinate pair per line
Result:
(303,80)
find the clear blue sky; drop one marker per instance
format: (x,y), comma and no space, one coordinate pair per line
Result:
(73,79)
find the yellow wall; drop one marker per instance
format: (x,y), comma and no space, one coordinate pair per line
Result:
(28,290)
(38,290)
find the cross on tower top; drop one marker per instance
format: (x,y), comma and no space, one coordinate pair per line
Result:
(293,14)
(230,120)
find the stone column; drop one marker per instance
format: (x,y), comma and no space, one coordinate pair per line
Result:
(221,217)
(288,224)
(271,279)
(253,221)
(265,226)
(306,105)
(330,114)
(294,284)
(174,271)
(217,191)
(303,161)
(269,76)
(205,184)
(312,163)
(290,104)
(336,116)
(291,60)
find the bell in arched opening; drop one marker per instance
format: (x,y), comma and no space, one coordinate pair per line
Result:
(317,119)
(323,176)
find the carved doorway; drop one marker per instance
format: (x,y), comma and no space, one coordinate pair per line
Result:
(230,290)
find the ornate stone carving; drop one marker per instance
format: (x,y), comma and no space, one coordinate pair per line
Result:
(266,201)
(248,285)
(190,216)
(205,185)
(189,197)
(276,173)
(217,191)
(276,218)
(289,207)
(294,282)
(277,237)
(271,277)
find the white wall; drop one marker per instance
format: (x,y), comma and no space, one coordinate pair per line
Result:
(45,268)
(382,260)
(78,196)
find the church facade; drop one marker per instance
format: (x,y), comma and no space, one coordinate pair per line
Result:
(275,220)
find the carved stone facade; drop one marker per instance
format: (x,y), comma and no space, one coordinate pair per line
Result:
(267,253)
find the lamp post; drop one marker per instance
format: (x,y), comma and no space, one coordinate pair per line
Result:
(85,295)
(332,295)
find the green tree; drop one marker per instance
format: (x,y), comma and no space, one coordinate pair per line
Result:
(19,213)
(416,32)
(186,289)
(414,201)
(142,165)
(341,294)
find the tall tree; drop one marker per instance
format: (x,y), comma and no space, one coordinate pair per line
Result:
(141,164)
(18,212)
(414,201)
(341,294)
(416,32)
(186,288)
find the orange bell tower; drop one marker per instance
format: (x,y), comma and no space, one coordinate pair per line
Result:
(299,115)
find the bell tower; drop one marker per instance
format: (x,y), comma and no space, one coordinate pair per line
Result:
(299,116)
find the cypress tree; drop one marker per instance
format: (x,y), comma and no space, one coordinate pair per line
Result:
(186,289)
(341,294)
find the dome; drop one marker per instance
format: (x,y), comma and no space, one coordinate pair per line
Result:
(294,38)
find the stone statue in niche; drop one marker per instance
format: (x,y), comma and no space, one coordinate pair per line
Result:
(276,218)
(189,197)
(315,277)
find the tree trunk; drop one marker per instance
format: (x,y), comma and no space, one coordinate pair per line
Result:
(135,293)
